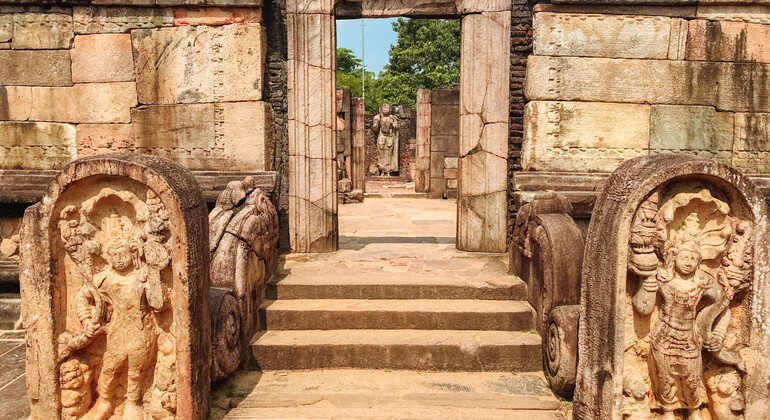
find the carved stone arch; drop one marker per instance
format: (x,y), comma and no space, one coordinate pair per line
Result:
(600,376)
(165,184)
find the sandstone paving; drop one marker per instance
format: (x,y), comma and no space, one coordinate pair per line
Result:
(353,393)
(13,391)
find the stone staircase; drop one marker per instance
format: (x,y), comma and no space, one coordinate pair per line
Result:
(351,317)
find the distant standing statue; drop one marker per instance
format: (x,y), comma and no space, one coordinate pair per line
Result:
(385,126)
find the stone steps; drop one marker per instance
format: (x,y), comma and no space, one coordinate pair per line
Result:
(437,350)
(396,286)
(415,314)
(10,310)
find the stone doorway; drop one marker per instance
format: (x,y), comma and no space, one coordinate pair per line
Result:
(484,111)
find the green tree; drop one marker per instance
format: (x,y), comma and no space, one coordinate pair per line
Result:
(347,62)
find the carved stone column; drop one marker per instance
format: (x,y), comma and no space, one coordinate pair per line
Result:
(359,145)
(312,124)
(484,103)
(422,172)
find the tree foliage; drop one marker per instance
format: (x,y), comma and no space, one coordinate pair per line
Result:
(426,56)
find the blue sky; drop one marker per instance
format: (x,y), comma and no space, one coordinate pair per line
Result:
(378,36)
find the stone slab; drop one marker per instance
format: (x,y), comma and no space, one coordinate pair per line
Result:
(31,145)
(692,129)
(20,97)
(6,28)
(42,31)
(479,6)
(236,136)
(752,13)
(583,136)
(728,86)
(390,8)
(102,58)
(639,10)
(216,16)
(16,65)
(95,19)
(751,145)
(728,41)
(83,103)
(200,63)
(615,36)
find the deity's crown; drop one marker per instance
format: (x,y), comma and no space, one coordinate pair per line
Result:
(117,231)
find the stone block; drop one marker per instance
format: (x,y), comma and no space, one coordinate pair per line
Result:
(437,187)
(692,129)
(83,103)
(390,8)
(445,119)
(95,19)
(17,64)
(728,41)
(5,45)
(449,145)
(191,64)
(602,9)
(437,165)
(450,162)
(42,31)
(728,86)
(6,28)
(450,173)
(444,96)
(451,183)
(31,145)
(102,58)
(618,36)
(752,13)
(583,136)
(237,136)
(216,16)
(751,145)
(20,97)
(478,6)
(130,230)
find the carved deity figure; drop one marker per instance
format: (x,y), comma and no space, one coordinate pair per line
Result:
(690,293)
(115,307)
(385,127)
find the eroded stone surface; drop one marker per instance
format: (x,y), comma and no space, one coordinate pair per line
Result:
(389,8)
(96,19)
(728,41)
(215,16)
(41,31)
(16,65)
(102,58)
(692,129)
(83,103)
(751,148)
(619,36)
(677,326)
(37,145)
(112,236)
(200,63)
(243,244)
(583,136)
(236,136)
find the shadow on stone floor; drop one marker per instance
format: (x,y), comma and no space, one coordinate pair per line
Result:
(232,391)
(359,242)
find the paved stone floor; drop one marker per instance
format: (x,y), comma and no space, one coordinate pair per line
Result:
(13,391)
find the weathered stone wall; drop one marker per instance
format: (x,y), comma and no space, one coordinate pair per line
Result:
(608,84)
(444,142)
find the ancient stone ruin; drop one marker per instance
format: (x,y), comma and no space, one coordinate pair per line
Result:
(243,244)
(115,287)
(674,295)
(385,127)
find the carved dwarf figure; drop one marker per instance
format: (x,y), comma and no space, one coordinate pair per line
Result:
(636,404)
(385,127)
(727,402)
(75,380)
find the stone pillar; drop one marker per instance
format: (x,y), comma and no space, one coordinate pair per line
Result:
(422,152)
(359,145)
(312,131)
(128,230)
(484,103)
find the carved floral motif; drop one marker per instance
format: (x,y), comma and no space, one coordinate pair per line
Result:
(690,259)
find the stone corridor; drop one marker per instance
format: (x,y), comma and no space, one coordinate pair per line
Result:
(396,324)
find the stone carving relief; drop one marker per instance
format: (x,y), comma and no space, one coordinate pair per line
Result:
(112,292)
(385,127)
(690,264)
(117,248)
(243,245)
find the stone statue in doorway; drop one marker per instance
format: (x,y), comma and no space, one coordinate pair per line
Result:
(385,127)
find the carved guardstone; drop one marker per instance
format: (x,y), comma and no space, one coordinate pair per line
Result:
(115,292)
(675,295)
(243,244)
